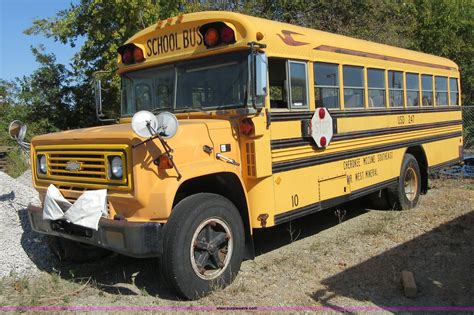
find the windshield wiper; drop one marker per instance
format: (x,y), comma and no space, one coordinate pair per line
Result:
(187,109)
(157,110)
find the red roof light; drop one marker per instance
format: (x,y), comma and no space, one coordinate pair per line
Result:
(227,35)
(212,37)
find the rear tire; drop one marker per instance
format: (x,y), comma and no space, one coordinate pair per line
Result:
(203,245)
(406,193)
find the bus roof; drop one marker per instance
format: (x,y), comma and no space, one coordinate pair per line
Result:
(282,40)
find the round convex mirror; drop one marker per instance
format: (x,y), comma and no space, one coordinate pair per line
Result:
(167,125)
(144,124)
(17,130)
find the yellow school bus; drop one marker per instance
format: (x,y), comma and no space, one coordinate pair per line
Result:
(271,122)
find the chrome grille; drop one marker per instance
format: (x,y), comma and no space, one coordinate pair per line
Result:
(92,166)
(82,166)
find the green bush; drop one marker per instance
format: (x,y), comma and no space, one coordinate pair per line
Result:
(17,163)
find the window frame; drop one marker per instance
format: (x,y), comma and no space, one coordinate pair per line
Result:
(363,87)
(418,90)
(384,89)
(288,79)
(338,86)
(402,89)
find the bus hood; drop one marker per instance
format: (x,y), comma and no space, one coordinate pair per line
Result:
(123,133)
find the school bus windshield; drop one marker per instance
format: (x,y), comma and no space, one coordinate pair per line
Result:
(216,82)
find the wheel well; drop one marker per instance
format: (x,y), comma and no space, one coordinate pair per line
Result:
(420,156)
(224,184)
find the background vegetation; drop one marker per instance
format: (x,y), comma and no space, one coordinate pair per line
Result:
(58,97)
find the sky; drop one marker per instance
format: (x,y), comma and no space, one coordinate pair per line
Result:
(16,59)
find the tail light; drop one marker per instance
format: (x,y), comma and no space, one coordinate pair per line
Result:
(131,54)
(247,127)
(217,33)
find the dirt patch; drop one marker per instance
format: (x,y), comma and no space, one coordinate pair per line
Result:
(351,257)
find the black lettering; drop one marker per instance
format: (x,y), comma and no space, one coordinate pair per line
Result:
(172,42)
(148,45)
(153,45)
(177,41)
(196,31)
(165,43)
(159,45)
(185,39)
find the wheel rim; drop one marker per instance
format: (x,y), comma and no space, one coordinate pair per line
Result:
(411,184)
(211,248)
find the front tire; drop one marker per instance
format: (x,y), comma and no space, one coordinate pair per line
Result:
(406,194)
(203,245)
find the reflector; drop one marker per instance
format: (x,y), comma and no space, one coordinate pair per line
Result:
(246,126)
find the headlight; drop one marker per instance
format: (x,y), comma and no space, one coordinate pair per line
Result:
(41,168)
(116,167)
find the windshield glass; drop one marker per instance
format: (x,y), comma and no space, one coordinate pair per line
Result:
(217,82)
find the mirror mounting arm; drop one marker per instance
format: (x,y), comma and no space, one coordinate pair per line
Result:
(98,97)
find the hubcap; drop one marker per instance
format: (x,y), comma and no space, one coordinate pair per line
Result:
(411,184)
(211,248)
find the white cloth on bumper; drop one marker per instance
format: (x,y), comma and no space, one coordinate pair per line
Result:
(85,211)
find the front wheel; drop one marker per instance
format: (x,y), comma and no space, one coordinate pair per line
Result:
(406,193)
(203,245)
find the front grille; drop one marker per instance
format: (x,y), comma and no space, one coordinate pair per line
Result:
(92,166)
(80,167)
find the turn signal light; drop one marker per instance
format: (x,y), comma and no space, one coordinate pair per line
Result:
(164,162)
(247,127)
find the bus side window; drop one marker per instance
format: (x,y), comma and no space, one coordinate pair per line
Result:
(453,88)
(298,84)
(326,85)
(353,86)
(427,90)
(278,83)
(395,88)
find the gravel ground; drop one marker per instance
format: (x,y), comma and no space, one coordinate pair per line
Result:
(22,251)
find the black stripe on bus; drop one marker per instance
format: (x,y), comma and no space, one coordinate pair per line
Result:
(297,142)
(316,160)
(325,204)
(299,115)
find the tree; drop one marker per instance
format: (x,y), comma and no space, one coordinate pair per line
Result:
(446,28)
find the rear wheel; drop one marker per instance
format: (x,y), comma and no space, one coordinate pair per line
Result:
(406,194)
(203,245)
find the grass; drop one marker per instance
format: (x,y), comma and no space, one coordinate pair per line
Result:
(16,163)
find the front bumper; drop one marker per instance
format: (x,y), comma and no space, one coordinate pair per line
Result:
(136,239)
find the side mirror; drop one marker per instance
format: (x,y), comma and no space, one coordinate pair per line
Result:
(261,69)
(17,131)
